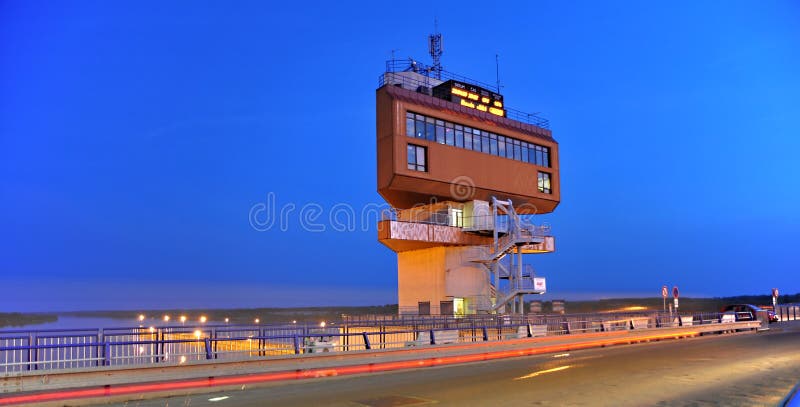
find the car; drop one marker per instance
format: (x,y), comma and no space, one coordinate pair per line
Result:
(750,312)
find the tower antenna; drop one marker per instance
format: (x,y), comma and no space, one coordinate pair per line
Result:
(435,49)
(497,70)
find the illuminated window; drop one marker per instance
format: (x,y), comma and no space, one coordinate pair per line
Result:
(544,182)
(457,217)
(417,158)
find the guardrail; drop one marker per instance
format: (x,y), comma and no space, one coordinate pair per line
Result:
(788,312)
(85,349)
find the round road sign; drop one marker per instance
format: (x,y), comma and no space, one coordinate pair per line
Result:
(774,293)
(675,292)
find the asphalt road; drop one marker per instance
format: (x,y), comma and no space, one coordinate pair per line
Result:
(735,370)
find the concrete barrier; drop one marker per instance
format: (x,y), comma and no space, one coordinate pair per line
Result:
(439,337)
(640,323)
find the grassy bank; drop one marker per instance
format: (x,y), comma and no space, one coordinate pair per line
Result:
(12,319)
(245,315)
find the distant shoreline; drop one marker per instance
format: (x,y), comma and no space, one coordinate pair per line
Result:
(333,313)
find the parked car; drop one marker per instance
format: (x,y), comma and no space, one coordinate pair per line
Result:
(750,312)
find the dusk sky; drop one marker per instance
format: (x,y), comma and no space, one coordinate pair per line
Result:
(136,138)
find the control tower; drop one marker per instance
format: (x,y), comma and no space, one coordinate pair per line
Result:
(464,174)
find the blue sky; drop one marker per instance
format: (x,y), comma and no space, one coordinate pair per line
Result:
(135,137)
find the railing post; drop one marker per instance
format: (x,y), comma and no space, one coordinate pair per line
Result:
(99,340)
(530,331)
(106,354)
(296,345)
(33,352)
(262,343)
(367,345)
(216,342)
(209,353)
(485,334)
(433,340)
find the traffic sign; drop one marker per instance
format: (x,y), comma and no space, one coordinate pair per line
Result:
(675,292)
(664,291)
(775,293)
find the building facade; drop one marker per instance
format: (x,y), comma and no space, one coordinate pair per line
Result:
(465,175)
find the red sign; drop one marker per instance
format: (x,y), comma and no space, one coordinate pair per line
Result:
(675,292)
(664,291)
(774,293)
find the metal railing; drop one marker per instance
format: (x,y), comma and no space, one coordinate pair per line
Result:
(788,312)
(47,350)
(500,222)
(392,77)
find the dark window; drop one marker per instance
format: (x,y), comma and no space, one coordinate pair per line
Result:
(440,132)
(430,129)
(459,136)
(446,308)
(485,146)
(419,124)
(448,134)
(410,124)
(501,146)
(424,307)
(417,158)
(546,156)
(540,157)
(525,152)
(544,182)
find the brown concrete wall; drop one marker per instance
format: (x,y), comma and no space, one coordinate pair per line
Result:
(490,175)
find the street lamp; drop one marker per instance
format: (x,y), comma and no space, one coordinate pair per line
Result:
(183,319)
(166,318)
(203,319)
(257,320)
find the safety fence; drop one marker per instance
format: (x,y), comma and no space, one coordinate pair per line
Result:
(788,312)
(88,348)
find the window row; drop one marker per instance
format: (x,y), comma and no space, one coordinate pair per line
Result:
(444,132)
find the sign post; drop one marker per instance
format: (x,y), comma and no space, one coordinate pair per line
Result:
(775,299)
(664,293)
(675,295)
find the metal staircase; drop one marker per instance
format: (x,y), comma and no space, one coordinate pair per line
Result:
(511,280)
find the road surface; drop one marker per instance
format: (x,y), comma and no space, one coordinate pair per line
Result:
(743,369)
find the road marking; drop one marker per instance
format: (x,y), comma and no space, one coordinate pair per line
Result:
(561,355)
(213,399)
(541,372)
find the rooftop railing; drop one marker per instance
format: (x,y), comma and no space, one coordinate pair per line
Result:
(427,80)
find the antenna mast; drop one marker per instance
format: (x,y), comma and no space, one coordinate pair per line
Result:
(497,70)
(435,49)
